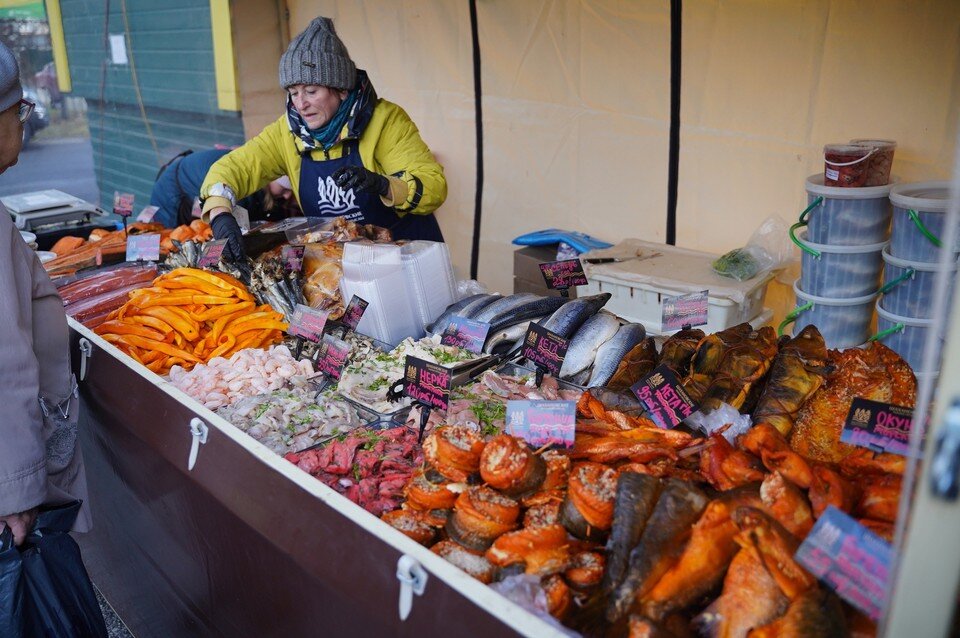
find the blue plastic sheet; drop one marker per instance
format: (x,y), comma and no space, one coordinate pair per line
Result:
(580,241)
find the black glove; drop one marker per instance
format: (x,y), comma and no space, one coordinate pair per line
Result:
(360,179)
(225,226)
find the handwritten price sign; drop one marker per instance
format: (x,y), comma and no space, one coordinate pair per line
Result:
(560,275)
(428,383)
(663,398)
(545,348)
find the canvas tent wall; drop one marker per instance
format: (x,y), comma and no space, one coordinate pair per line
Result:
(576,105)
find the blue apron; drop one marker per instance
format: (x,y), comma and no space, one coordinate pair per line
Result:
(321,197)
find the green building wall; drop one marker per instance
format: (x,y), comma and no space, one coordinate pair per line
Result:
(171,47)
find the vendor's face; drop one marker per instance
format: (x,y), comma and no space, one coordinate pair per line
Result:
(278,190)
(316,104)
(11,137)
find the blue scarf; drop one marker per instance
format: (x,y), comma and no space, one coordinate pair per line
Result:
(328,134)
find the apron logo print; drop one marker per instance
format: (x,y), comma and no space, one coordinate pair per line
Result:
(333,200)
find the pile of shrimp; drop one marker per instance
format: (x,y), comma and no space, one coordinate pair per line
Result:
(221,382)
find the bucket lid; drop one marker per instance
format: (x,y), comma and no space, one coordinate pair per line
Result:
(907,321)
(866,141)
(925,266)
(831,301)
(929,197)
(834,248)
(815,186)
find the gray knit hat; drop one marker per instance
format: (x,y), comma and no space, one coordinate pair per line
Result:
(318,56)
(10,90)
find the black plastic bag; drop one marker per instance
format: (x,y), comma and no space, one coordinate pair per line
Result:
(48,589)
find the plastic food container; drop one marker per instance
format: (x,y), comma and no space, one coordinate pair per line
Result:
(846,216)
(908,286)
(844,323)
(839,271)
(846,165)
(907,336)
(919,220)
(881,160)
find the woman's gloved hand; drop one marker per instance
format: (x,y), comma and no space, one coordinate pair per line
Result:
(360,179)
(225,226)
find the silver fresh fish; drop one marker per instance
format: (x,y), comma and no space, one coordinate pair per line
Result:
(536,307)
(502,305)
(609,355)
(440,323)
(570,316)
(509,334)
(595,332)
(477,305)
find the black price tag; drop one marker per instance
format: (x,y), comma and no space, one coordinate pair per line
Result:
(465,333)
(292,257)
(332,356)
(427,383)
(122,204)
(354,312)
(561,275)
(212,250)
(881,427)
(663,398)
(544,348)
(308,323)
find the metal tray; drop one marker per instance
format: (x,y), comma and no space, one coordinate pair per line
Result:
(517,370)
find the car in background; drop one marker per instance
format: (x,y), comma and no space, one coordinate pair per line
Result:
(38,119)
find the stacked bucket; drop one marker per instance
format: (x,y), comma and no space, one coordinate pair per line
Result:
(842,234)
(911,268)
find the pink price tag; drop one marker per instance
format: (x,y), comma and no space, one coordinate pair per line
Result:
(212,251)
(143,247)
(542,423)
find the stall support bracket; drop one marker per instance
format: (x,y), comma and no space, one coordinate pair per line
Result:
(86,351)
(198,434)
(413,580)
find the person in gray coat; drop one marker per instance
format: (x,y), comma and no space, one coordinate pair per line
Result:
(40,462)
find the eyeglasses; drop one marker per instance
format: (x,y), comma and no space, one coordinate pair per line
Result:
(25,110)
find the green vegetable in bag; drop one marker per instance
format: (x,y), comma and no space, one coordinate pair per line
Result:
(737,264)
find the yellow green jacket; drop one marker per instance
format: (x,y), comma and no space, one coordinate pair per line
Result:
(390,144)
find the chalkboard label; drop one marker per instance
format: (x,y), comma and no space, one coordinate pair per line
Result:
(332,356)
(354,312)
(560,275)
(663,398)
(427,383)
(544,348)
(308,323)
(292,257)
(881,427)
(212,250)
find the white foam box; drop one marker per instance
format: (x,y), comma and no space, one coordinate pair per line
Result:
(650,271)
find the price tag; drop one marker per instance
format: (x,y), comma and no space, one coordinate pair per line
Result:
(663,397)
(354,312)
(308,323)
(147,214)
(545,348)
(541,423)
(560,275)
(123,204)
(212,250)
(849,559)
(466,333)
(197,210)
(685,311)
(292,257)
(332,356)
(428,383)
(881,427)
(143,247)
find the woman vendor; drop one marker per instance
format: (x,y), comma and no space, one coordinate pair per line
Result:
(347,152)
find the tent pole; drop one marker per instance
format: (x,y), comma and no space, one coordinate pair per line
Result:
(478,115)
(676,14)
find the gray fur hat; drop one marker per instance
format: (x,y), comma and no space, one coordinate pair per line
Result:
(318,56)
(10,90)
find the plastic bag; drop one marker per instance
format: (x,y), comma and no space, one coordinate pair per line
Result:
(769,248)
(716,419)
(469,287)
(44,587)
(525,591)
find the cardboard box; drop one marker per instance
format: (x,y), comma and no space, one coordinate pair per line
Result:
(526,270)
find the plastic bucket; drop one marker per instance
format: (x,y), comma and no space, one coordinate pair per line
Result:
(919,220)
(846,216)
(839,272)
(908,286)
(844,323)
(907,336)
(881,161)
(846,165)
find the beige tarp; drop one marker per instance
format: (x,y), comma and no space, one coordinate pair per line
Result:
(576,105)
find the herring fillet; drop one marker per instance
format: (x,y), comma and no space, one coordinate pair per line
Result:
(613,351)
(595,332)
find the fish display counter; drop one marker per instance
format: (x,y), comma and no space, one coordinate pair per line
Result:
(199,530)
